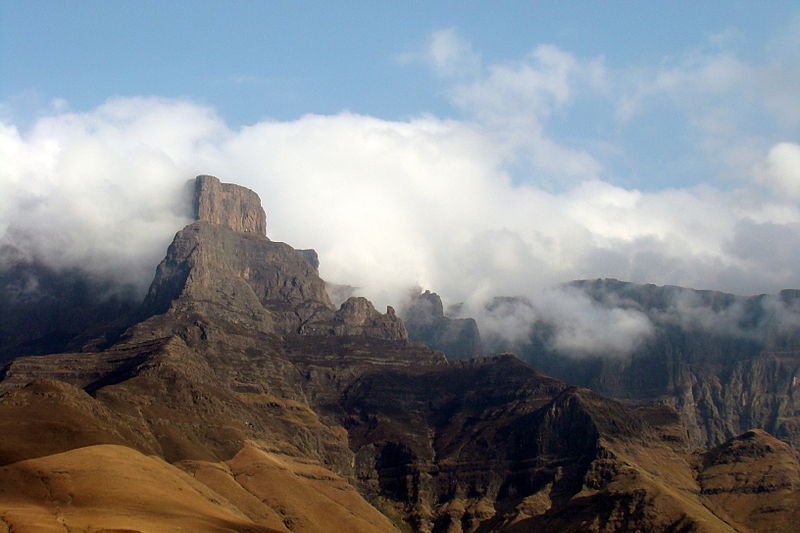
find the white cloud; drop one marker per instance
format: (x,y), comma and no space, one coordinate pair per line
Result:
(450,55)
(530,89)
(781,169)
(387,204)
(513,101)
(582,326)
(98,190)
(731,108)
(426,202)
(577,324)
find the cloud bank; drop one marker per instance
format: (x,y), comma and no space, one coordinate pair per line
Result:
(490,204)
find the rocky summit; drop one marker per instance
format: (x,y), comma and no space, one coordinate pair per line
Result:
(237,397)
(426,322)
(229,205)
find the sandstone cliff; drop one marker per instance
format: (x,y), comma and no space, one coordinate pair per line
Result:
(229,205)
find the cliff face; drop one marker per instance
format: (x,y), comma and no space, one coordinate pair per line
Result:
(733,367)
(458,338)
(224,265)
(243,400)
(229,205)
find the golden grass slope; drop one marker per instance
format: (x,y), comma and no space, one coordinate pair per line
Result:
(66,460)
(47,417)
(299,493)
(111,488)
(754,481)
(114,488)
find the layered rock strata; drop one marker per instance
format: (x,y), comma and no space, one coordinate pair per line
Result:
(734,367)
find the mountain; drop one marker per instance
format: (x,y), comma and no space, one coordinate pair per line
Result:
(241,399)
(726,363)
(47,310)
(426,322)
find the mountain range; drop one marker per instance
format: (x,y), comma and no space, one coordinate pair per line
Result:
(237,397)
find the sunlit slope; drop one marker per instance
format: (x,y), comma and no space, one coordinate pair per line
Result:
(753,480)
(68,461)
(108,487)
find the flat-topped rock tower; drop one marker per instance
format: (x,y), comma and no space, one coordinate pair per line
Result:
(226,204)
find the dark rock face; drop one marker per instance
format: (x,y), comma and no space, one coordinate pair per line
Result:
(487,443)
(46,310)
(240,276)
(458,338)
(310,257)
(722,381)
(229,205)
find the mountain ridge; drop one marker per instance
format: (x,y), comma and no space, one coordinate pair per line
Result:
(240,376)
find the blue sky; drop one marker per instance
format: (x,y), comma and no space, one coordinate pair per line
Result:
(254,60)
(280,60)
(500,141)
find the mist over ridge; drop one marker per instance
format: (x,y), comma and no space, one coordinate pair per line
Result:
(388,205)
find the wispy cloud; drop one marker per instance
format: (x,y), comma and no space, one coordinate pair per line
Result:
(450,55)
(388,204)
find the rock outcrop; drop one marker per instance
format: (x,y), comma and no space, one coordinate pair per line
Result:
(358,317)
(232,206)
(310,257)
(458,338)
(224,265)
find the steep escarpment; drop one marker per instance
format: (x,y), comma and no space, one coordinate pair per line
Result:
(458,451)
(725,363)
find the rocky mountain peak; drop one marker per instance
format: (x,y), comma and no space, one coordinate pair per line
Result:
(426,308)
(223,267)
(226,204)
(456,337)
